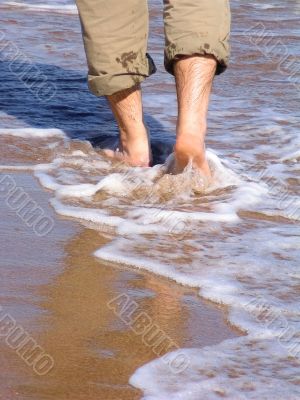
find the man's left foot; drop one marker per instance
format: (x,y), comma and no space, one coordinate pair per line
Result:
(134,146)
(133,150)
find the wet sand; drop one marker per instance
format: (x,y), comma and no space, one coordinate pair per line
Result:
(58,292)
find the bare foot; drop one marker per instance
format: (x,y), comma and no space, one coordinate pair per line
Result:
(134,148)
(134,151)
(194,76)
(189,148)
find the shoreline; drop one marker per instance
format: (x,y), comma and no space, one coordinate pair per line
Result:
(62,301)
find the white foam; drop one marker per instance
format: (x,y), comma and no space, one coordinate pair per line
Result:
(56,8)
(17,167)
(239,369)
(33,132)
(47,181)
(91,215)
(35,168)
(155,217)
(295,156)
(160,223)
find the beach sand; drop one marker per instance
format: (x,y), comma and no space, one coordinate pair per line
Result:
(55,289)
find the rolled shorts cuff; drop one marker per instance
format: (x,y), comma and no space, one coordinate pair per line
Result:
(110,83)
(195,45)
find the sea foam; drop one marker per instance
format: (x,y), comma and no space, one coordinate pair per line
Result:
(56,8)
(214,238)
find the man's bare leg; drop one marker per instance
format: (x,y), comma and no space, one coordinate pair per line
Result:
(194,76)
(134,146)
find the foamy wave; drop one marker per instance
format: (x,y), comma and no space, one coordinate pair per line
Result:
(239,369)
(151,193)
(57,8)
(198,236)
(17,167)
(32,132)
(292,157)
(91,215)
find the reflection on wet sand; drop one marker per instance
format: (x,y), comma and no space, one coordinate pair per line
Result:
(95,353)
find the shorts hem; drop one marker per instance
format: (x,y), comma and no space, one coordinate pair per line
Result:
(219,50)
(108,84)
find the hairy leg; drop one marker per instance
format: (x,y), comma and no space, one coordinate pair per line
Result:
(194,76)
(134,142)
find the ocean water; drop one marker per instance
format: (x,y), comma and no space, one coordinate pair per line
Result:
(237,241)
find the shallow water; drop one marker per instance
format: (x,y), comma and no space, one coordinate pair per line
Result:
(237,241)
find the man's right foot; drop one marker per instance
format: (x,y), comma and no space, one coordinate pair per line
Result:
(194,76)
(189,148)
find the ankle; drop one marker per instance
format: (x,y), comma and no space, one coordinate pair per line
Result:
(197,127)
(191,149)
(133,132)
(190,146)
(135,145)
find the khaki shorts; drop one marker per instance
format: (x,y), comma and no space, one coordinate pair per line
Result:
(115,35)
